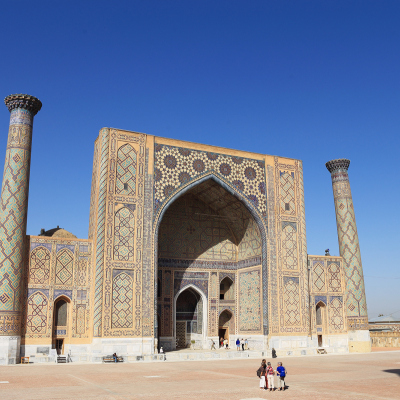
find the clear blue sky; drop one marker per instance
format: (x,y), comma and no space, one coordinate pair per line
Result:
(314,80)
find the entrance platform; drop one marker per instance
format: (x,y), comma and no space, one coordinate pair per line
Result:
(198,355)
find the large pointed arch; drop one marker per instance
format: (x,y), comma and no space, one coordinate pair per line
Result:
(259,219)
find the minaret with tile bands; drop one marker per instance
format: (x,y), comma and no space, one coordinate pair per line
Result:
(13,217)
(349,247)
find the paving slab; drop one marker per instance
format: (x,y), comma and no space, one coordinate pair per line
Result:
(355,376)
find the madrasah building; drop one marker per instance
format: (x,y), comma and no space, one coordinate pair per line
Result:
(187,243)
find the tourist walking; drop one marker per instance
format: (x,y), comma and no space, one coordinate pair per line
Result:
(269,373)
(261,374)
(242,344)
(237,344)
(281,373)
(213,345)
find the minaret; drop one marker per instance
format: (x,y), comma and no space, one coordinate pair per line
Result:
(349,248)
(13,216)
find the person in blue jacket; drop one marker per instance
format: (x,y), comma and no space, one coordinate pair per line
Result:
(281,373)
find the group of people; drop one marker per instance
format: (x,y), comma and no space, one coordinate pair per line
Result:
(242,344)
(266,374)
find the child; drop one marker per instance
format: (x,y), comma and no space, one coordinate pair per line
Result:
(281,372)
(269,373)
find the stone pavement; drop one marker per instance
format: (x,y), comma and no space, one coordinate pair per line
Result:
(356,376)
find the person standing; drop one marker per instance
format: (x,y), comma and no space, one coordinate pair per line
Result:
(269,373)
(237,344)
(281,373)
(242,344)
(246,344)
(221,342)
(226,344)
(261,374)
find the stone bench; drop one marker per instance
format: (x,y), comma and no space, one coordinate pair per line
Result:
(107,359)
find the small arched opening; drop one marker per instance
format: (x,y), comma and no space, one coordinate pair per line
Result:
(60,323)
(320,318)
(226,289)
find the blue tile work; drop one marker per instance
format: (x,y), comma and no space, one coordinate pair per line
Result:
(46,276)
(292,273)
(14,208)
(177,166)
(63,292)
(260,218)
(326,285)
(349,247)
(198,279)
(317,299)
(250,295)
(100,232)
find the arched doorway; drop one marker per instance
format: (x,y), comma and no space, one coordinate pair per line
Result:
(60,323)
(226,325)
(205,228)
(190,306)
(320,319)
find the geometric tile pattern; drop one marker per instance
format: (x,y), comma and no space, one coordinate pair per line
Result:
(291,301)
(289,245)
(64,267)
(100,231)
(122,298)
(82,271)
(126,170)
(334,280)
(336,313)
(37,313)
(349,246)
(39,270)
(319,278)
(124,230)
(80,319)
(176,166)
(287,199)
(14,203)
(250,301)
(186,232)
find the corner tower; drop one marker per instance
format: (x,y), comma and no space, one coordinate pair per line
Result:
(349,247)
(13,217)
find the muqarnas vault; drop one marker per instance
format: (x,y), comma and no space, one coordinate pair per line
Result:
(187,243)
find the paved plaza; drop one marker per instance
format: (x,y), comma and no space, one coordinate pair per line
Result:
(357,376)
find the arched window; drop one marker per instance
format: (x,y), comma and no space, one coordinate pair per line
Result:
(226,289)
(61,313)
(319,313)
(126,170)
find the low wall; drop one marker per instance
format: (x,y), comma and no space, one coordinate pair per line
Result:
(385,339)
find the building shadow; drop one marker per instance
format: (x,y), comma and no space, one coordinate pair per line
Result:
(393,371)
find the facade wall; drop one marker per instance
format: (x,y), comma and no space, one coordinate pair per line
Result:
(288,279)
(57,268)
(385,339)
(166,215)
(327,289)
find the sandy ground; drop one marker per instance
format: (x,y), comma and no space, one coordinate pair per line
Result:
(358,376)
